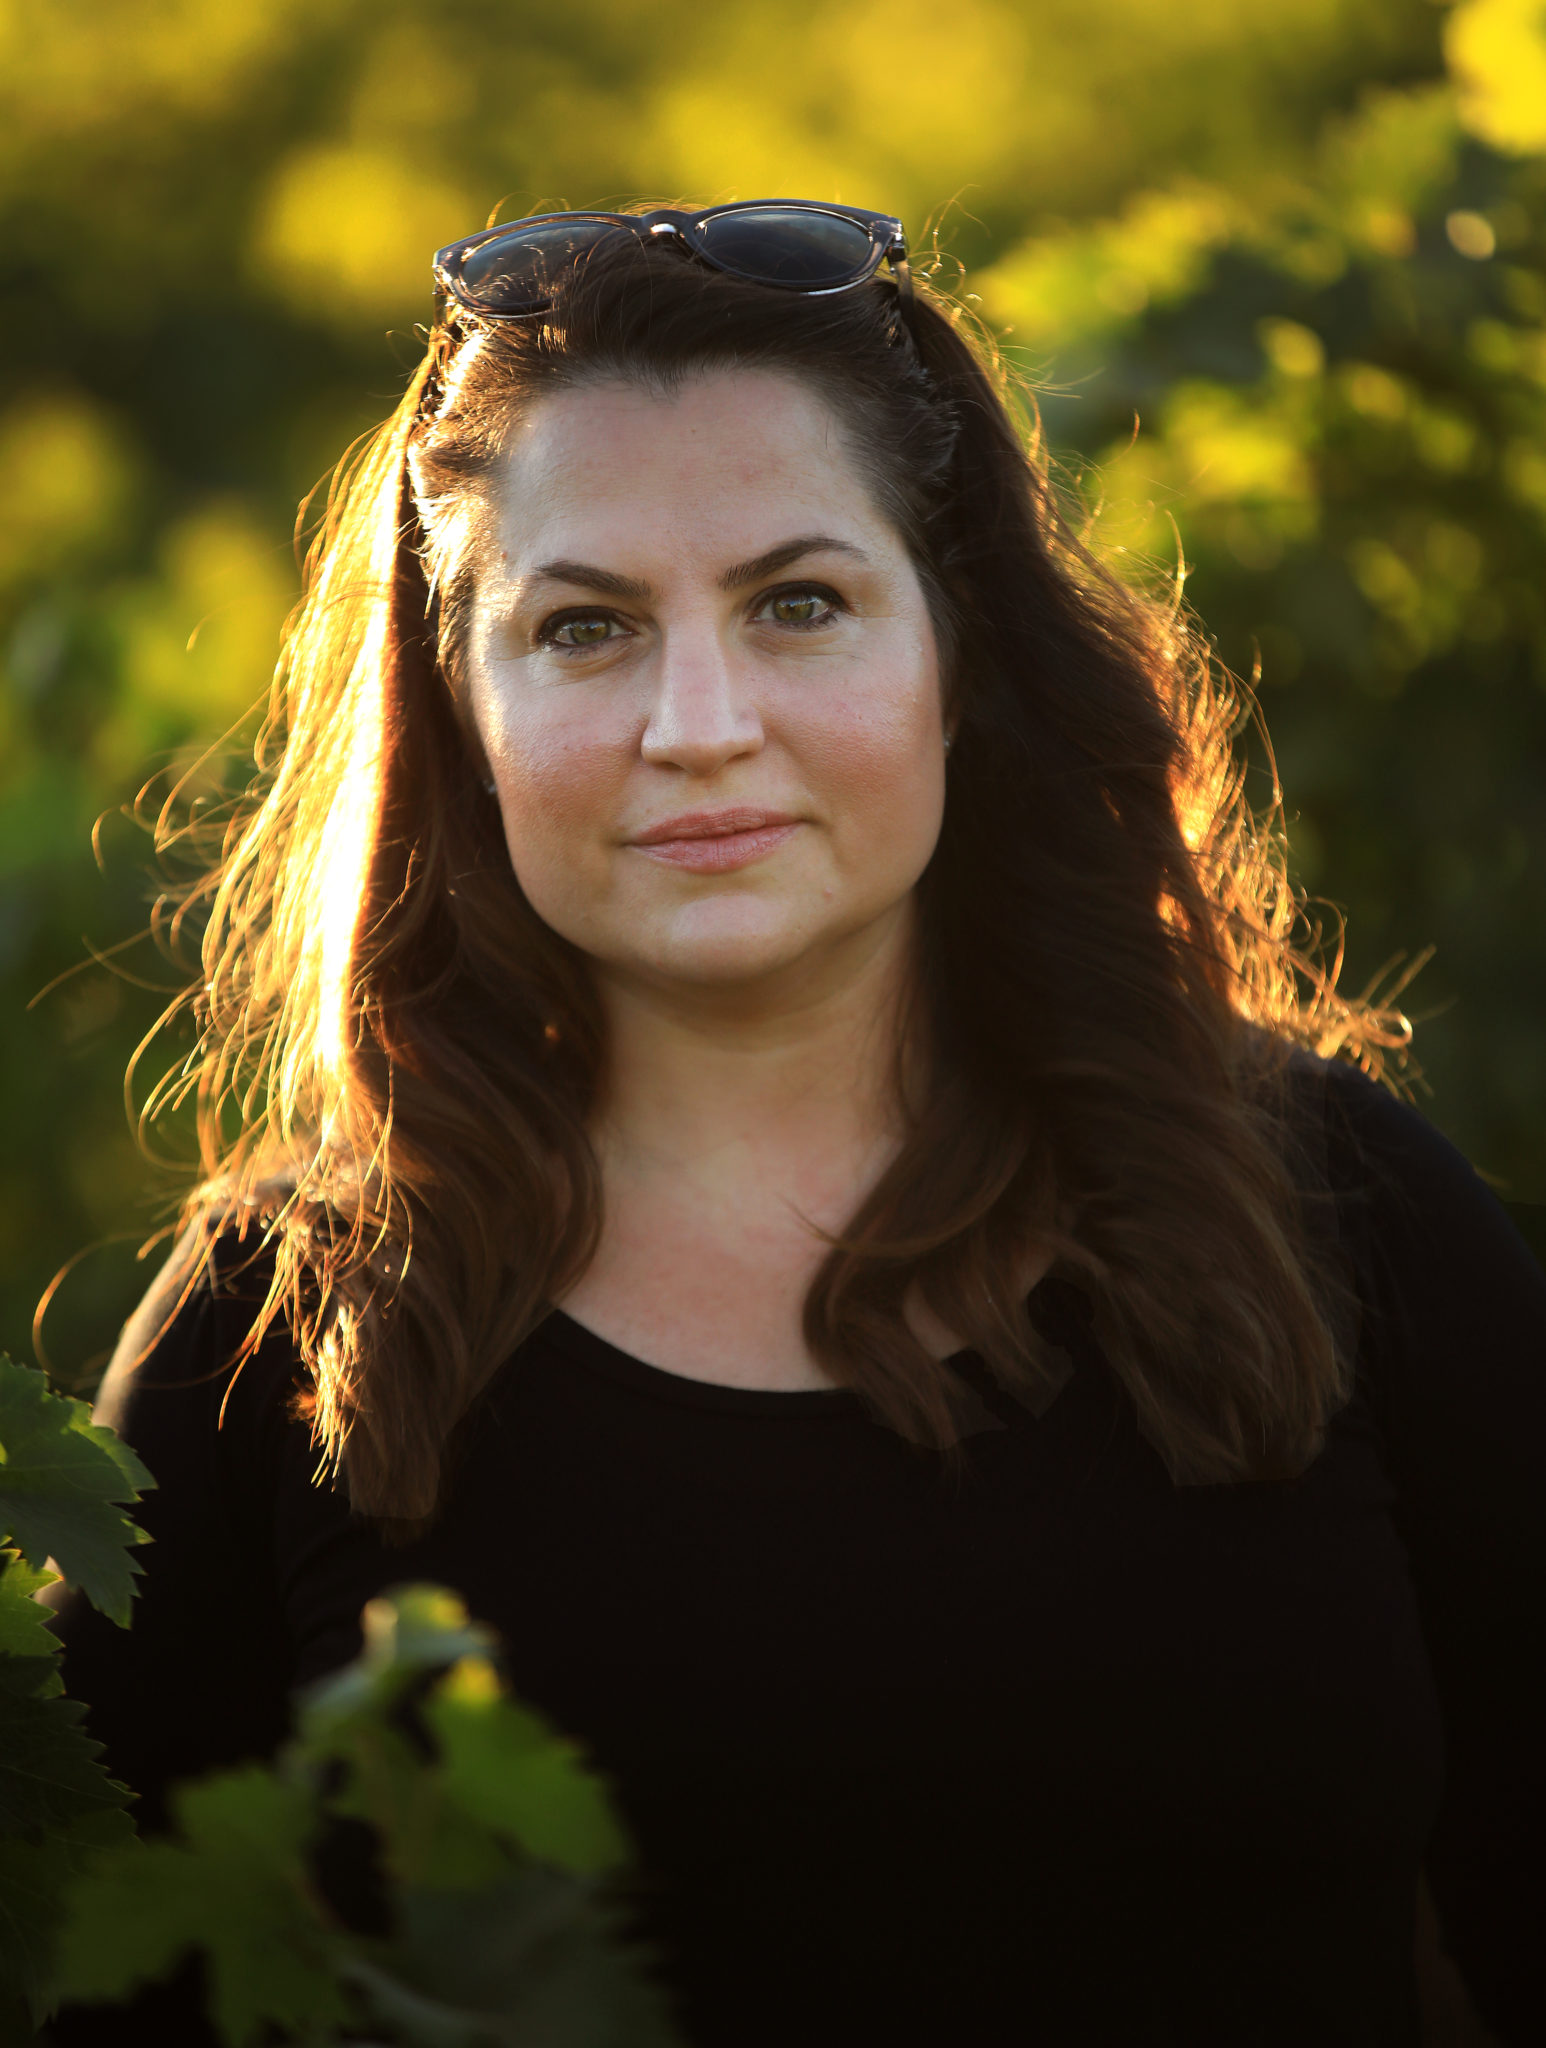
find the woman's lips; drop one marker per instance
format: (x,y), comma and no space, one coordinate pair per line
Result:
(714,843)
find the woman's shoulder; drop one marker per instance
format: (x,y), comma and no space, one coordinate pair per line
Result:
(1424,1227)
(1369,1137)
(178,1378)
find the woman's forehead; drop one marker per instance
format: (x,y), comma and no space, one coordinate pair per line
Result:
(751,456)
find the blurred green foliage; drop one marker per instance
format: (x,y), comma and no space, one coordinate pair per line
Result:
(1281,275)
(492,1844)
(476,1836)
(64,1485)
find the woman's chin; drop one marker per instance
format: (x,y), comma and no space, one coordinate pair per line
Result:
(719,954)
(725,964)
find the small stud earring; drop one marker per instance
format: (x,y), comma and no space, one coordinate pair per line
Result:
(489,784)
(948,738)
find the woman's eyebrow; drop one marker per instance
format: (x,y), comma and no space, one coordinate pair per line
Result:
(609,583)
(786,552)
(584,577)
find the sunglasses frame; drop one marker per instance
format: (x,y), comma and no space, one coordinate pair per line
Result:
(888,244)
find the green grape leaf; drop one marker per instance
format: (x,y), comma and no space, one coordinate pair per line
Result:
(34,1883)
(33,1876)
(538,1957)
(132,1915)
(408,1631)
(57,1805)
(24,1629)
(504,1765)
(425,1838)
(64,1483)
(234,1885)
(49,1774)
(31,1678)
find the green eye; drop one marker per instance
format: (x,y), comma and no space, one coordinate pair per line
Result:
(575,632)
(800,607)
(585,632)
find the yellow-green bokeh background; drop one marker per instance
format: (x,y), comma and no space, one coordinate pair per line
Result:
(1302,247)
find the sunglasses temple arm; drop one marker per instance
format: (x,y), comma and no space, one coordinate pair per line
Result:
(897,258)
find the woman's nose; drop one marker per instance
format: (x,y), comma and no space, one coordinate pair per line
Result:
(704,713)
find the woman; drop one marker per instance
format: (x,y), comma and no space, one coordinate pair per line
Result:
(786,1152)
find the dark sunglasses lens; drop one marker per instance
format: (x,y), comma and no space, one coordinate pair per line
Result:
(784,246)
(513,273)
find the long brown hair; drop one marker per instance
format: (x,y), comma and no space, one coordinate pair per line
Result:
(1110,982)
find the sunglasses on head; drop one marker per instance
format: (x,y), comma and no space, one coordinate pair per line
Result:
(798,245)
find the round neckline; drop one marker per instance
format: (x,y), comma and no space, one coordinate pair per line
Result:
(597,1352)
(1050,1303)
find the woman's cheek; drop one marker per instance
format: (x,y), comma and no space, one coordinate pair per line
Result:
(561,765)
(878,749)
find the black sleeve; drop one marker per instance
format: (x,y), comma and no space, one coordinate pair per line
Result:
(199,1678)
(1454,1346)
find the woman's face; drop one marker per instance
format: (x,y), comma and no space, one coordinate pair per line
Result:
(705,676)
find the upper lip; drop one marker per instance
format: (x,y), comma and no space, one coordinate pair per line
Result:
(711,825)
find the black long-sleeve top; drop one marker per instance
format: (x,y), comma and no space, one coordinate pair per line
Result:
(1057,1753)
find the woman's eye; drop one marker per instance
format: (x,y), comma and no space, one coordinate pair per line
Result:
(576,630)
(800,607)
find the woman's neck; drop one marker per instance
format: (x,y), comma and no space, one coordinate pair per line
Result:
(731,1135)
(804,1068)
